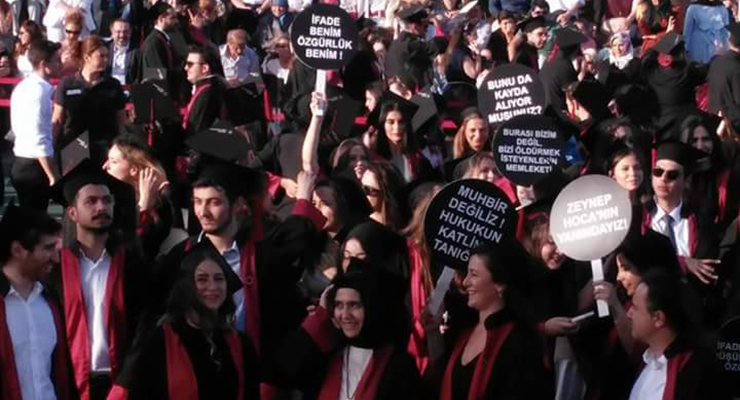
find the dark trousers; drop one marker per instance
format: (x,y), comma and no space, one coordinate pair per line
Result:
(31,183)
(100,385)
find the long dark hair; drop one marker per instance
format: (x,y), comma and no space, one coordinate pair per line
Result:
(384,147)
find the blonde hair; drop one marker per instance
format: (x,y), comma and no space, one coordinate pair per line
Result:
(139,157)
(460,146)
(476,163)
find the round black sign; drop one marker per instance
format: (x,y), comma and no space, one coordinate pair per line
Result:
(511,90)
(590,218)
(324,36)
(728,351)
(527,148)
(464,214)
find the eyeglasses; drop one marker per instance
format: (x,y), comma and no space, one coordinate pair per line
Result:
(670,175)
(189,64)
(371,191)
(281,46)
(71,32)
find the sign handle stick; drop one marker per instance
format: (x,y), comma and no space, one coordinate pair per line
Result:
(320,84)
(443,284)
(597,270)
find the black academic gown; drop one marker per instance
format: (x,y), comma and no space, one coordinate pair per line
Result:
(279,264)
(724,87)
(312,360)
(409,55)
(555,75)
(147,367)
(158,53)
(205,105)
(527,56)
(126,305)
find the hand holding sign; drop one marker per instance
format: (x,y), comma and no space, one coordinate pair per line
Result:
(324,36)
(590,219)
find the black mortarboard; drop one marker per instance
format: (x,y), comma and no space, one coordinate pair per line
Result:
(566,37)
(86,173)
(75,151)
(438,45)
(152,102)
(668,43)
(677,151)
(532,23)
(221,140)
(159,9)
(593,96)
(408,109)
(650,250)
(16,222)
(342,110)
(427,109)
(205,250)
(413,14)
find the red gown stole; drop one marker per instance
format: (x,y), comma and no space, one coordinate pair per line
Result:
(181,381)
(417,346)
(495,339)
(191,104)
(76,319)
(10,388)
(367,388)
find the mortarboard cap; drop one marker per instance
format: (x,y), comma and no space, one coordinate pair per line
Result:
(159,9)
(648,251)
(75,151)
(222,141)
(413,14)
(593,96)
(87,173)
(678,152)
(408,109)
(668,43)
(532,23)
(205,250)
(152,102)
(342,110)
(427,109)
(566,37)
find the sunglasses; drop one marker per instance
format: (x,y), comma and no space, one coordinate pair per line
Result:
(71,32)
(371,191)
(189,64)
(670,175)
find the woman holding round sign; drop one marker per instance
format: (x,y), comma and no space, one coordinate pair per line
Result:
(500,356)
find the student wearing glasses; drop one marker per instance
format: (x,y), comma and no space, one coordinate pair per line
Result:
(204,106)
(71,45)
(668,214)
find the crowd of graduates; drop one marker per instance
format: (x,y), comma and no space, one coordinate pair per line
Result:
(230,232)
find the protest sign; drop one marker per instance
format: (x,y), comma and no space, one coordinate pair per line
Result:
(589,219)
(728,351)
(511,90)
(527,148)
(324,36)
(464,214)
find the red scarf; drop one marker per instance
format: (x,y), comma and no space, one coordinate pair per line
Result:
(495,338)
(191,103)
(181,381)
(722,181)
(75,314)
(418,343)
(367,388)
(10,388)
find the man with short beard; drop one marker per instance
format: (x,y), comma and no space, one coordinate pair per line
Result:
(101,281)
(35,358)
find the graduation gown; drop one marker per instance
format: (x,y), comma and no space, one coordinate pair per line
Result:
(61,365)
(527,56)
(692,373)
(511,365)
(157,52)
(174,361)
(124,300)
(270,269)
(205,105)
(724,87)
(313,360)
(557,74)
(409,54)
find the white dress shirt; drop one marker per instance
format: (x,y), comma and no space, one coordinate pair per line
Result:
(355,360)
(34,335)
(94,280)
(118,67)
(242,67)
(651,383)
(30,118)
(680,228)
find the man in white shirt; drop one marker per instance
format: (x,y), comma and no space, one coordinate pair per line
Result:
(675,367)
(35,365)
(670,216)
(34,171)
(239,61)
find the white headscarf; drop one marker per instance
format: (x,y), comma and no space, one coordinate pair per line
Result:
(621,62)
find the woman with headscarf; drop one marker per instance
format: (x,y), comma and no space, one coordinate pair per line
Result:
(348,347)
(194,352)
